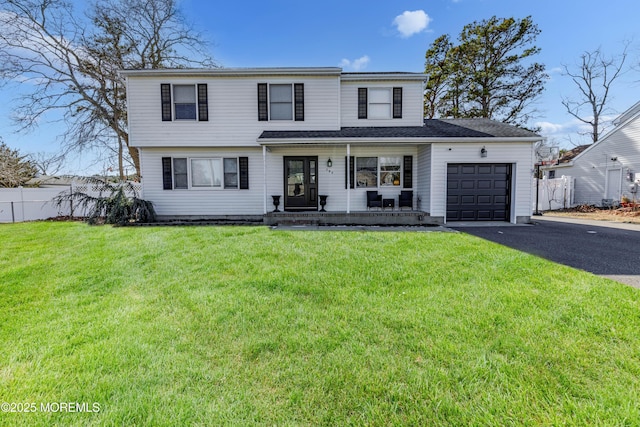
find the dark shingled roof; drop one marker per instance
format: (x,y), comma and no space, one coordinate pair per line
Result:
(433,128)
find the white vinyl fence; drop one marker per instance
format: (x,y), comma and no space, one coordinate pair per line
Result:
(30,204)
(553,194)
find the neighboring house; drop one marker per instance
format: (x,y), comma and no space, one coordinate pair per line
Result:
(606,170)
(220,143)
(52,181)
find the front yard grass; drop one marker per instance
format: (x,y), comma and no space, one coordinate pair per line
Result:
(248,326)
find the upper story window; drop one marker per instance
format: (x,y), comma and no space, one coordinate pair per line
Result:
(280,102)
(380,103)
(184,102)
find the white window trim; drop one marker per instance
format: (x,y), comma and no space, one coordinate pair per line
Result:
(173,102)
(388,116)
(292,101)
(379,184)
(190,187)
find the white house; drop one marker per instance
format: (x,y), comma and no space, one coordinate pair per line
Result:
(608,169)
(220,143)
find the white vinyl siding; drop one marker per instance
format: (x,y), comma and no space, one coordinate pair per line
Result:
(423,178)
(519,155)
(202,201)
(232,107)
(593,170)
(412,103)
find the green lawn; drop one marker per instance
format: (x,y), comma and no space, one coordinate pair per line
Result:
(244,326)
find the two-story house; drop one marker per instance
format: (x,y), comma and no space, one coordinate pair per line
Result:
(221,143)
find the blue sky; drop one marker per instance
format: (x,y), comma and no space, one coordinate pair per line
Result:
(384,35)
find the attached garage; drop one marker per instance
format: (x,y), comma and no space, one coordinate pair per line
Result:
(479,191)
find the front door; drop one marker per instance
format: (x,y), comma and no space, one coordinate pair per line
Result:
(301,183)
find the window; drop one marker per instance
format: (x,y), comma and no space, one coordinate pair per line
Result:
(380,103)
(280,102)
(390,171)
(374,172)
(366,172)
(180,173)
(552,174)
(206,172)
(229,173)
(184,102)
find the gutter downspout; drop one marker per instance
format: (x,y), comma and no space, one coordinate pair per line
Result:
(348,179)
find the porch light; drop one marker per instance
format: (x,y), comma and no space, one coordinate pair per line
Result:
(483,152)
(329,163)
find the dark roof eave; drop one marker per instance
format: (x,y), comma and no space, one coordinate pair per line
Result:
(383,140)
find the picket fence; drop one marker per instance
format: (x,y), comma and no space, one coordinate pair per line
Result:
(553,194)
(31,204)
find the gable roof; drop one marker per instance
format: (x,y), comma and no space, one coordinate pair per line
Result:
(456,129)
(623,119)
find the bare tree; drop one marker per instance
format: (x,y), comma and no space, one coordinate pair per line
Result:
(594,76)
(71,63)
(47,163)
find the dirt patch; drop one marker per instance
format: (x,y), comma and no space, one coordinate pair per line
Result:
(622,214)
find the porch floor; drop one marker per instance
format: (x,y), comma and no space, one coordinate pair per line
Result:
(380,217)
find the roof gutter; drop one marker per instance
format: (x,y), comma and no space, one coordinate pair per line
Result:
(233,72)
(400,140)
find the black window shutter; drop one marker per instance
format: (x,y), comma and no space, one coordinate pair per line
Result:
(203,103)
(408,172)
(362,102)
(397,102)
(298,89)
(263,109)
(352,173)
(165,95)
(243,163)
(167,179)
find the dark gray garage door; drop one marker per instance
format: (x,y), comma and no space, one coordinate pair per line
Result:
(478,192)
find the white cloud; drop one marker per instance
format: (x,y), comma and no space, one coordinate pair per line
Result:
(357,64)
(411,22)
(548,128)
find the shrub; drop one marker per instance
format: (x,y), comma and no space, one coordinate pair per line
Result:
(112,205)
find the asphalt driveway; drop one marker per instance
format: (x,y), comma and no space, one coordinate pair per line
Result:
(606,249)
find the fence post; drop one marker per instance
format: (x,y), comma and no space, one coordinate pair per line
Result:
(13,214)
(22,200)
(71,199)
